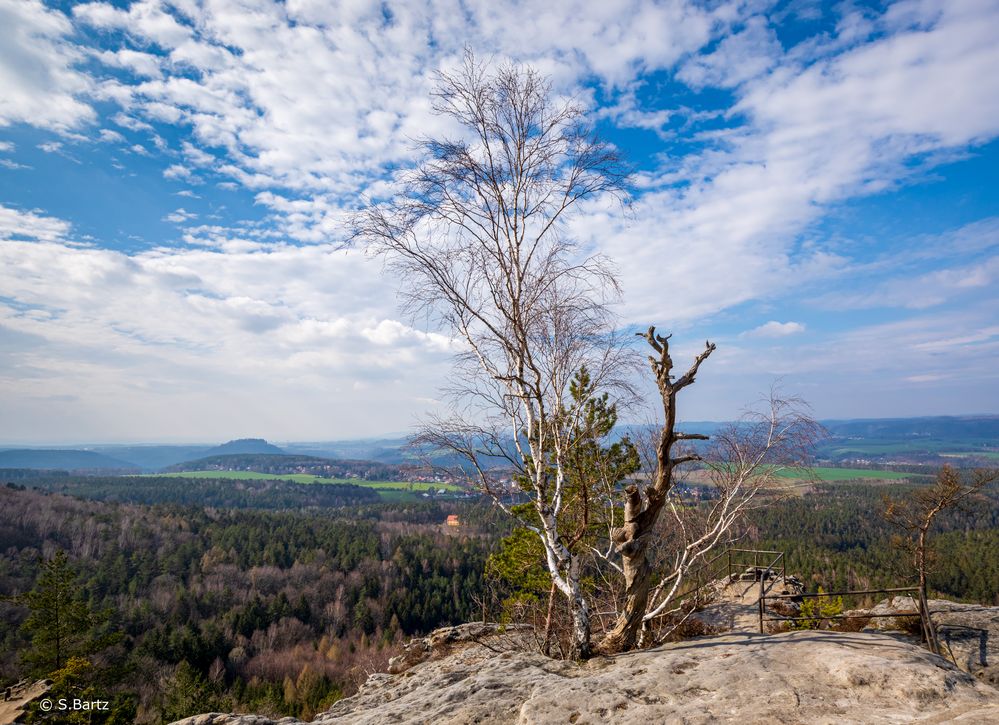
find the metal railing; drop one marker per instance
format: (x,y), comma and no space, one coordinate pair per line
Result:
(766,567)
(922,610)
(757,569)
(738,562)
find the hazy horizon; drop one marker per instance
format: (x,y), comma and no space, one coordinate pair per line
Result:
(387,436)
(817,192)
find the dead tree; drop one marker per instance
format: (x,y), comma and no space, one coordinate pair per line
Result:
(747,458)
(642,507)
(749,463)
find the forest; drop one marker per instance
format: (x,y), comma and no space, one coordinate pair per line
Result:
(221,492)
(837,537)
(279,598)
(187,609)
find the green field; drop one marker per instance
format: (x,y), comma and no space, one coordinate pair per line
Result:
(845,474)
(406,486)
(874,447)
(990,455)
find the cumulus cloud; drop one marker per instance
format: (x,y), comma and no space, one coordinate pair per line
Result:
(775,329)
(179,216)
(279,334)
(308,104)
(722,226)
(31,225)
(324,96)
(39,80)
(177,171)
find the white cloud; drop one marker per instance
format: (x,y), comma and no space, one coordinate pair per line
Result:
(177,171)
(206,341)
(31,225)
(180,216)
(745,55)
(141,64)
(722,225)
(306,103)
(108,135)
(39,83)
(776,329)
(322,97)
(6,146)
(917,291)
(145,18)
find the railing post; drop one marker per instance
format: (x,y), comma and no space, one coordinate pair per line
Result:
(729,570)
(761,605)
(756,563)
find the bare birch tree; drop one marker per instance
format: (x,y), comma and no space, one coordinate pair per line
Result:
(477,239)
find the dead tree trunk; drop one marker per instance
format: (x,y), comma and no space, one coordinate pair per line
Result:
(642,508)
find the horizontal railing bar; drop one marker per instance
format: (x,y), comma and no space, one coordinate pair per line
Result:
(842,616)
(756,551)
(837,594)
(713,559)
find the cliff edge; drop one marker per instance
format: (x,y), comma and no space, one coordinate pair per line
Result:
(795,677)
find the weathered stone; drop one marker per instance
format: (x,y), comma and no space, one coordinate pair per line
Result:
(822,677)
(476,674)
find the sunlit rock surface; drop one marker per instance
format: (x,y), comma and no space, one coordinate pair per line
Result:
(796,677)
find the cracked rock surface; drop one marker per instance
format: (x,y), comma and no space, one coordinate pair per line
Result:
(797,677)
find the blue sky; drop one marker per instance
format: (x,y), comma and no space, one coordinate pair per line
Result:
(817,194)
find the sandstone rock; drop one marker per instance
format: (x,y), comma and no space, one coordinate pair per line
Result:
(814,677)
(218,718)
(18,696)
(476,674)
(970,634)
(442,641)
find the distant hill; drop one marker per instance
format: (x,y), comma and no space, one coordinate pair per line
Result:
(157,458)
(244,445)
(286,463)
(152,457)
(67,460)
(261,462)
(944,426)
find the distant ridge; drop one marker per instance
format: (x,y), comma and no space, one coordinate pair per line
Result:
(242,446)
(261,462)
(284,463)
(64,459)
(946,426)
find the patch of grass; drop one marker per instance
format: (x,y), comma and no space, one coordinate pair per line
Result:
(845,474)
(408,486)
